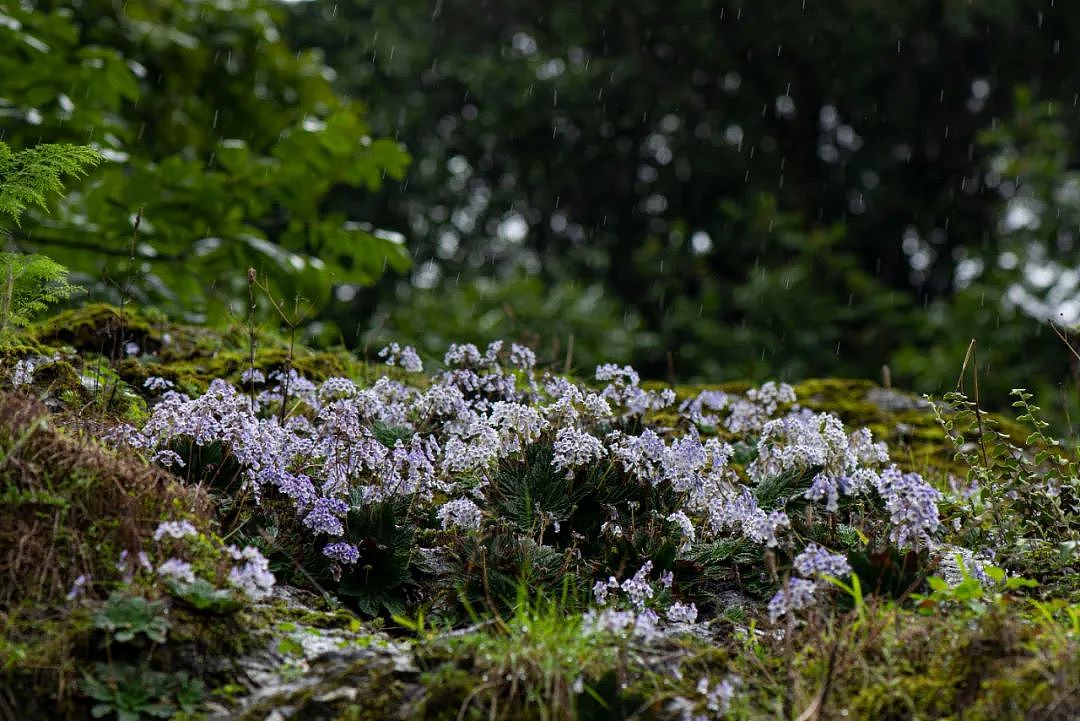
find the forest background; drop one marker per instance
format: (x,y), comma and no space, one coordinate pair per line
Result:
(706,190)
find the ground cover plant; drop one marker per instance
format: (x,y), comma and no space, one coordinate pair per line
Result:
(219,502)
(204,529)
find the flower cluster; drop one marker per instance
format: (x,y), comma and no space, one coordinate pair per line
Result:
(22,375)
(802,442)
(329,448)
(799,593)
(245,569)
(712,701)
(795,595)
(406,358)
(344,553)
(175,529)
(157,383)
(816,561)
(912,506)
(251,574)
(460,513)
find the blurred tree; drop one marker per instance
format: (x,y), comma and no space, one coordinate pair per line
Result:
(769,187)
(216,131)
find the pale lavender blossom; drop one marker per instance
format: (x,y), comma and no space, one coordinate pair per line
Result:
(465,355)
(686,528)
(335,389)
(797,594)
(175,529)
(643,455)
(697,408)
(517,426)
(23,374)
(613,373)
(157,383)
(252,376)
(522,357)
(344,553)
(460,513)
(741,509)
(718,697)
(78,588)
(638,590)
(602,589)
(816,561)
(404,357)
(912,506)
(251,575)
(168,458)
(177,569)
(682,613)
(574,449)
(751,413)
(641,625)
(324,516)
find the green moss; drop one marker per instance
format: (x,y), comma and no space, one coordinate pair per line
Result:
(190,356)
(903,420)
(194,374)
(365,690)
(97,328)
(61,379)
(71,506)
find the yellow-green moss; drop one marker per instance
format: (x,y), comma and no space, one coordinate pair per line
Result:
(903,420)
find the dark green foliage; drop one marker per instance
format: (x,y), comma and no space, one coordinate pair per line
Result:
(131,693)
(731,564)
(28,177)
(785,491)
(30,284)
(550,528)
(889,571)
(531,495)
(382,578)
(606,700)
(489,569)
(124,617)
(223,139)
(389,435)
(615,142)
(212,465)
(1022,499)
(202,595)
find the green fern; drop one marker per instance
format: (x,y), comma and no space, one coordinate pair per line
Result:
(31,283)
(28,177)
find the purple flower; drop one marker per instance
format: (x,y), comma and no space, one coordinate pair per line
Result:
(912,506)
(522,357)
(175,529)
(177,569)
(324,516)
(461,513)
(682,613)
(574,449)
(78,588)
(638,589)
(344,553)
(796,595)
(157,383)
(251,575)
(815,560)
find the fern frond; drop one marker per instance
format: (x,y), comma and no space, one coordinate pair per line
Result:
(28,177)
(29,284)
